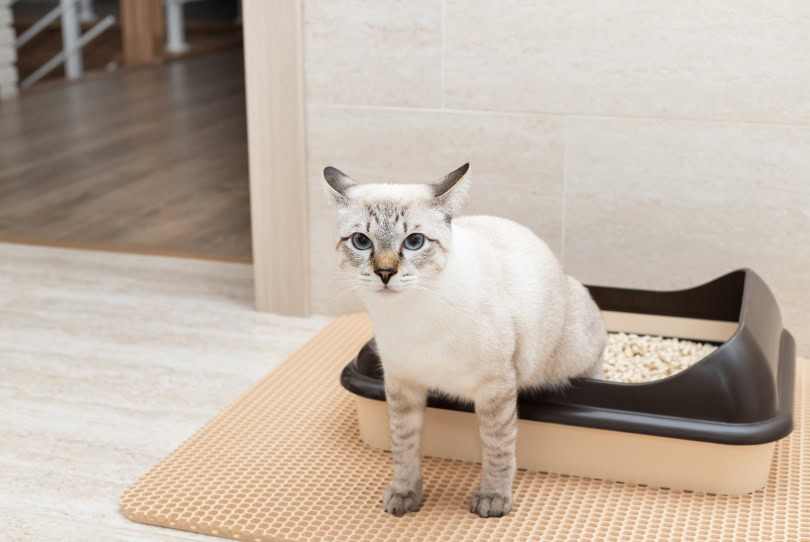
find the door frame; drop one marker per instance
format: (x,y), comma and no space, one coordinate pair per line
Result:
(274,87)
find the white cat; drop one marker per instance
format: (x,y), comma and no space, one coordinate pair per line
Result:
(474,307)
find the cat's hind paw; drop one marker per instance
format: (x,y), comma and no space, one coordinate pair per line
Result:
(400,503)
(490,505)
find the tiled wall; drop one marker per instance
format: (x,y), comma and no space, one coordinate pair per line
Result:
(651,144)
(8,52)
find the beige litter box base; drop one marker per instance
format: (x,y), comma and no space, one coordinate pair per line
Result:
(286,462)
(582,451)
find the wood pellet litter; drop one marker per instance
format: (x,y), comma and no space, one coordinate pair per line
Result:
(643,358)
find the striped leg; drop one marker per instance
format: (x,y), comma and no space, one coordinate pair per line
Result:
(406,411)
(497,418)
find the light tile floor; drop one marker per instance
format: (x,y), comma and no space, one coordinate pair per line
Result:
(109,361)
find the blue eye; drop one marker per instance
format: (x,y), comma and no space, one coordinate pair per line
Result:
(414,241)
(361,242)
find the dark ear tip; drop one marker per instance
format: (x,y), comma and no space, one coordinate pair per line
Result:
(328,170)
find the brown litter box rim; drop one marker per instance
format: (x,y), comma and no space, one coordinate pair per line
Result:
(626,407)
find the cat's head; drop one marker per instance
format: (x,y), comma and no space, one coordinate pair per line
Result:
(394,237)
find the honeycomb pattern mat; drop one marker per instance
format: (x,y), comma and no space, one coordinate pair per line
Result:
(285,462)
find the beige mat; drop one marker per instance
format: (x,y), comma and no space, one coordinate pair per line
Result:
(285,462)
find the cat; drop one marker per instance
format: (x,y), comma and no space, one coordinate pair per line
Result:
(474,307)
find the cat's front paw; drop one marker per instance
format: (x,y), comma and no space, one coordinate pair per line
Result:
(491,505)
(399,502)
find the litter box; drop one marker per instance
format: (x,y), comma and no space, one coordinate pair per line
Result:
(711,428)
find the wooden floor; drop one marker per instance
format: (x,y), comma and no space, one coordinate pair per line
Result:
(151,160)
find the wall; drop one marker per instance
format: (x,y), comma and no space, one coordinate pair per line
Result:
(651,144)
(8,53)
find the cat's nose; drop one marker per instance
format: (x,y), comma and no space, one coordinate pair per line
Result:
(386,273)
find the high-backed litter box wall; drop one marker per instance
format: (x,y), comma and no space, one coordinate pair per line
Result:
(653,145)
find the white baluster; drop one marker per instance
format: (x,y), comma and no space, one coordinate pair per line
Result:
(70,38)
(175,27)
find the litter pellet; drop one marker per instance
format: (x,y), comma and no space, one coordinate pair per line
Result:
(636,358)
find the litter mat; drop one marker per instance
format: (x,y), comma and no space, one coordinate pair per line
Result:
(286,461)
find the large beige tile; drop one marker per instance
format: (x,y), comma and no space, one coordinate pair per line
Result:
(107,363)
(516,167)
(726,59)
(359,52)
(665,204)
(30,524)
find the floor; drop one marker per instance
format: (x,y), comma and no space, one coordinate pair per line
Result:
(145,160)
(107,363)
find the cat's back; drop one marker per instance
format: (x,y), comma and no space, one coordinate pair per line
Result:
(552,315)
(519,268)
(510,240)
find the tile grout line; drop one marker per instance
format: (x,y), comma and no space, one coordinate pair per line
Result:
(574,116)
(444,47)
(122,249)
(564,210)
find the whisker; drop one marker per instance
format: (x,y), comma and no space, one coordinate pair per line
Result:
(421,288)
(341,294)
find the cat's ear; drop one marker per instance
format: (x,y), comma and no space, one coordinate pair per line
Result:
(337,183)
(450,191)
